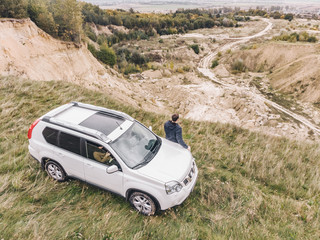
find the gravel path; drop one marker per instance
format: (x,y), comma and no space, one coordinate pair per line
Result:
(204,68)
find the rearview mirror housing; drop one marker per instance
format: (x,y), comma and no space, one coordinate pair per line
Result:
(112,169)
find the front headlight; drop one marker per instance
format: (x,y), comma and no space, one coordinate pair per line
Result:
(172,187)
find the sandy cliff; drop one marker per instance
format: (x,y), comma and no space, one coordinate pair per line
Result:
(28,52)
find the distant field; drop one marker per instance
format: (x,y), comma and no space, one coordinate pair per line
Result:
(152,7)
(166,6)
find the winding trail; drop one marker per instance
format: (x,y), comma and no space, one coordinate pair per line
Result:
(204,68)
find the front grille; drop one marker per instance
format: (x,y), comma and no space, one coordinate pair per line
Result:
(190,175)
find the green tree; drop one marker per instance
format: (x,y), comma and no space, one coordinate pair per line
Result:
(13,8)
(67,15)
(39,13)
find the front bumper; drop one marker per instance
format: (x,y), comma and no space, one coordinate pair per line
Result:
(179,197)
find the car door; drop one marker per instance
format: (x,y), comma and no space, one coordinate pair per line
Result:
(69,156)
(96,164)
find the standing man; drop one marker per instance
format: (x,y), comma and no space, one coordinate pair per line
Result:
(174,131)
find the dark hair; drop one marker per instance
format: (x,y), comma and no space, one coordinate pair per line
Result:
(175,117)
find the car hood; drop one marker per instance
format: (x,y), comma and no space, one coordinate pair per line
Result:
(172,162)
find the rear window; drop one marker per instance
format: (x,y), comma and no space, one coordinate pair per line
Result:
(50,135)
(69,142)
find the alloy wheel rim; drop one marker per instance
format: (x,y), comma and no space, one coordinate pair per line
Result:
(55,171)
(142,204)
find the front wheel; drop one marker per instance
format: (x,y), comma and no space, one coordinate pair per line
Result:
(55,171)
(143,203)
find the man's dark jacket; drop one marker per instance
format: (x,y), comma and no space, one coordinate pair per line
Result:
(174,133)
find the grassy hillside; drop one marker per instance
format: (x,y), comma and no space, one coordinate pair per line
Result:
(250,186)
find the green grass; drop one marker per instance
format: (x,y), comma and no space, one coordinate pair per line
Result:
(250,186)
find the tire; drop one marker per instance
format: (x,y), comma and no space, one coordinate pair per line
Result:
(143,203)
(55,171)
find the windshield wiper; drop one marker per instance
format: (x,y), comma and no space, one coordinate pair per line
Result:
(154,145)
(140,164)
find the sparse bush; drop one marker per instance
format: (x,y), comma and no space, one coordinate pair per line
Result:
(195,48)
(171,65)
(296,37)
(138,58)
(312,39)
(226,22)
(131,68)
(288,17)
(160,40)
(179,70)
(238,66)
(186,68)
(215,63)
(153,57)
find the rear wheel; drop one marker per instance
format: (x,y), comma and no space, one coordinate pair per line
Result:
(143,203)
(55,171)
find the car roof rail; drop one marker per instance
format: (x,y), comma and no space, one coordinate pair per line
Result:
(78,128)
(112,113)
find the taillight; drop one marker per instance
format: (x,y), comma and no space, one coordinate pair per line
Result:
(31,128)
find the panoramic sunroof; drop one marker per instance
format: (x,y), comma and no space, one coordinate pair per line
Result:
(102,122)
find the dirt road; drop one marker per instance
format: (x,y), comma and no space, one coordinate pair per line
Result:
(204,68)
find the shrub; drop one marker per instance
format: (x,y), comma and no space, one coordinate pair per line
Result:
(131,68)
(288,17)
(92,36)
(238,66)
(138,58)
(179,70)
(107,55)
(92,49)
(195,48)
(186,68)
(153,57)
(295,37)
(214,63)
(312,39)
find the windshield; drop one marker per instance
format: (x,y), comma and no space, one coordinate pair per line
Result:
(137,146)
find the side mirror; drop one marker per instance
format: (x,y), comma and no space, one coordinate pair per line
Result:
(150,128)
(112,169)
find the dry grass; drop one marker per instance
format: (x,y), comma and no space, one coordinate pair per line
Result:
(250,186)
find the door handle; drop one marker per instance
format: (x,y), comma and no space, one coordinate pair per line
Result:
(89,165)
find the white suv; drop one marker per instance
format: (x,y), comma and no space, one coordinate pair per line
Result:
(113,151)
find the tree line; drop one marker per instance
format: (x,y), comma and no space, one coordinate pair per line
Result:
(71,19)
(59,18)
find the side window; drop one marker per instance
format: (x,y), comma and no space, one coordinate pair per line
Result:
(69,142)
(50,135)
(99,154)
